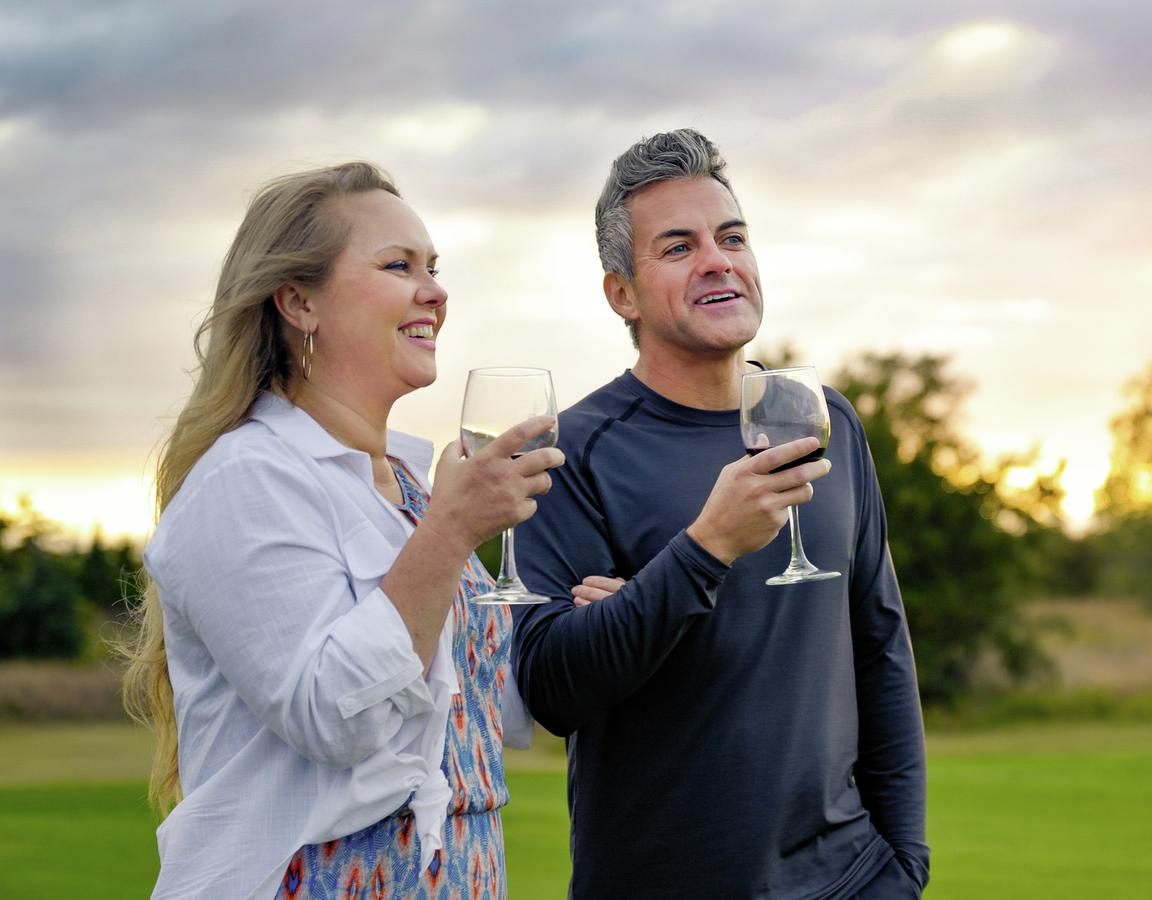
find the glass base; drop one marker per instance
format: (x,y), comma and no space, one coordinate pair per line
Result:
(513,594)
(798,574)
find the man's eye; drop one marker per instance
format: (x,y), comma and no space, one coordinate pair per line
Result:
(433,272)
(676,249)
(734,239)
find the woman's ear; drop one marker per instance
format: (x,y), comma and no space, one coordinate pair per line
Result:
(295,307)
(618,291)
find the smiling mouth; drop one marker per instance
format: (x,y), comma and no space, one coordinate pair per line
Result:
(721,297)
(418,331)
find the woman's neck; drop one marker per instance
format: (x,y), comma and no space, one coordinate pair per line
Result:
(348,424)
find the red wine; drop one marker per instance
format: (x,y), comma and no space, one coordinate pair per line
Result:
(816,454)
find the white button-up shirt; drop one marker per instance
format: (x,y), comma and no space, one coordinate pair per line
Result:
(304,713)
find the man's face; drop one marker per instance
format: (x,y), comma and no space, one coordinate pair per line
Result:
(697,286)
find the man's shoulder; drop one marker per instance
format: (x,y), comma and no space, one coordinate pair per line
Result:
(838,403)
(608,402)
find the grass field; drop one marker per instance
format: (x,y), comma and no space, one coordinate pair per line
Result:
(1042,811)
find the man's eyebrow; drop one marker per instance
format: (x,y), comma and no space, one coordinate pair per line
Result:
(674,232)
(689,232)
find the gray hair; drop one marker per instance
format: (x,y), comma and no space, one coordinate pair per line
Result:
(683,153)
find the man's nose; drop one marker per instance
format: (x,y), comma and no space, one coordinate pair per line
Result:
(712,260)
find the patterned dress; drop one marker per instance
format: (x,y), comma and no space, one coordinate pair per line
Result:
(383,860)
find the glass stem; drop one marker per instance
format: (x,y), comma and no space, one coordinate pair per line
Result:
(799,560)
(508,559)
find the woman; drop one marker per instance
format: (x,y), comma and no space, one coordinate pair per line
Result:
(296,634)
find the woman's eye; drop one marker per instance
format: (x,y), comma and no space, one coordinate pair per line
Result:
(399,266)
(433,272)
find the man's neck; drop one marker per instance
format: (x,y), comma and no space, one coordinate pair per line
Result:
(693,379)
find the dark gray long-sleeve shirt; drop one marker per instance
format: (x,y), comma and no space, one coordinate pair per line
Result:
(725,738)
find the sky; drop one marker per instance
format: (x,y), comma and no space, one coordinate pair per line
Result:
(964,178)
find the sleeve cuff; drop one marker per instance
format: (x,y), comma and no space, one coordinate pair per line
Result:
(393,672)
(914,858)
(697,558)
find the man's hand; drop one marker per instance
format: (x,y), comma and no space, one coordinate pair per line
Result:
(749,503)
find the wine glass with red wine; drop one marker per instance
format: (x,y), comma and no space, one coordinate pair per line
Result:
(778,406)
(495,399)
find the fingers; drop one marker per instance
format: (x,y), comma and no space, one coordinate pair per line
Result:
(782,454)
(800,475)
(537,461)
(595,587)
(512,440)
(604,583)
(537,484)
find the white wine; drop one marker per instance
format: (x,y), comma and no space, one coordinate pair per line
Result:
(476,439)
(495,399)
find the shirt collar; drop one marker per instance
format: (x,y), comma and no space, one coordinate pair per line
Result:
(300,430)
(296,427)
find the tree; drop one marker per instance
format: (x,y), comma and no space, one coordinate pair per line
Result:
(104,572)
(1124,502)
(38,609)
(957,540)
(1127,491)
(40,612)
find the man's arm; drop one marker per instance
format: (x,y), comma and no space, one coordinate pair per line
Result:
(574,663)
(890,771)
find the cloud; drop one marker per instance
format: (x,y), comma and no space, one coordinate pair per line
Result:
(913,173)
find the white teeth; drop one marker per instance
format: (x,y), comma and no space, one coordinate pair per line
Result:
(715,298)
(417,331)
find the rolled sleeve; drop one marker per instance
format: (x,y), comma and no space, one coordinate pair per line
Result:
(399,675)
(257,558)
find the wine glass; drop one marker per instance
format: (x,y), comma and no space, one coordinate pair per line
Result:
(495,400)
(778,406)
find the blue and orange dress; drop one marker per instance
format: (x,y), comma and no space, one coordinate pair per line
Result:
(383,860)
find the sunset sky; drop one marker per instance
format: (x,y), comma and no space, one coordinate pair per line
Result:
(969,178)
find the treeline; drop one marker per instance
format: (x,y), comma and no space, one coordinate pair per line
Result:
(968,547)
(52,596)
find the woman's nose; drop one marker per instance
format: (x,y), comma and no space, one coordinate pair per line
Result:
(432,296)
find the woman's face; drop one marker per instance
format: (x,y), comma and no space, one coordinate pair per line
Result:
(380,310)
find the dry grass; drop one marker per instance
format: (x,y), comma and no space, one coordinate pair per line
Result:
(40,753)
(56,692)
(1098,643)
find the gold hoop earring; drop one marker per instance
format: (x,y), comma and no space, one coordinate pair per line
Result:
(306,355)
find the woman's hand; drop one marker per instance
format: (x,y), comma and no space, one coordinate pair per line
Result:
(476,498)
(595,587)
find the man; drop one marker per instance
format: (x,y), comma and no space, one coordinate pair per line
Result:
(726,739)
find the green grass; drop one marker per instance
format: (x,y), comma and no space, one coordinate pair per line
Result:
(1048,824)
(94,841)
(1039,811)
(536,835)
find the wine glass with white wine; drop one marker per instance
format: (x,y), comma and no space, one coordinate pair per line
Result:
(778,406)
(495,399)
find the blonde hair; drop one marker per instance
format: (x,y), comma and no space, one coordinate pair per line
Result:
(289,235)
